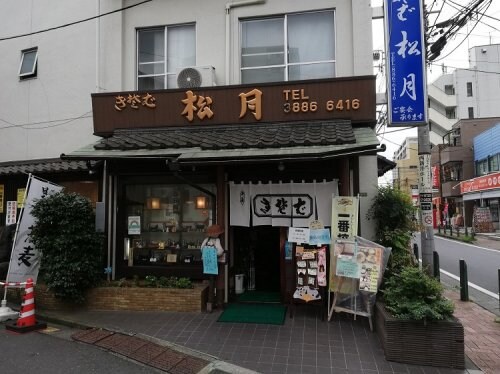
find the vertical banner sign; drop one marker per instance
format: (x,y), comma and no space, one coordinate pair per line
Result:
(425,189)
(2,194)
(344,217)
(25,259)
(406,80)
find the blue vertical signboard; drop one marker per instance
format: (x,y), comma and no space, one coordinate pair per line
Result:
(406,80)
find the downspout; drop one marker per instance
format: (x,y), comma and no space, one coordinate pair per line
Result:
(97,43)
(228,29)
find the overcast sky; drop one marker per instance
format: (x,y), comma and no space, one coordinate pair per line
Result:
(454,55)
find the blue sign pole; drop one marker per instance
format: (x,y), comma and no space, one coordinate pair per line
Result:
(405,61)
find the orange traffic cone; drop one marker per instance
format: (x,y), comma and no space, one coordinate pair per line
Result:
(27,321)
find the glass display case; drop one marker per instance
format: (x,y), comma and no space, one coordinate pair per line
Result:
(166,224)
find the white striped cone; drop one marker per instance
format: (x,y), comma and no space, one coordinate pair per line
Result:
(27,313)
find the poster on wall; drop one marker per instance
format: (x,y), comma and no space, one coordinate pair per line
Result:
(298,235)
(11,216)
(21,193)
(134,225)
(2,192)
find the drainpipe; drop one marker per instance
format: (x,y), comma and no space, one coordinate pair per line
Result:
(228,36)
(97,43)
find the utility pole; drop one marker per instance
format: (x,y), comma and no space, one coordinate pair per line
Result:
(425,192)
(425,178)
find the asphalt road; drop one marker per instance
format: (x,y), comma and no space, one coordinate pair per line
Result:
(482,263)
(54,353)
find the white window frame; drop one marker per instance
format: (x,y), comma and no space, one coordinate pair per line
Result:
(286,65)
(32,72)
(165,73)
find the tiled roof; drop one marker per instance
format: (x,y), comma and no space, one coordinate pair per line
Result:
(45,166)
(232,136)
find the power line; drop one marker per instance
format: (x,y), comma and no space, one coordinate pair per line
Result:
(74,23)
(54,124)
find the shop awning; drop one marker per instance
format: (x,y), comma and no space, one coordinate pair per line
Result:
(311,140)
(481,195)
(45,166)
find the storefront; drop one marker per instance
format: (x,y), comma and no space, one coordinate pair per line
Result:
(256,159)
(485,193)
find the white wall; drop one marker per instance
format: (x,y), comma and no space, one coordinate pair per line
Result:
(353,25)
(51,114)
(367,184)
(38,116)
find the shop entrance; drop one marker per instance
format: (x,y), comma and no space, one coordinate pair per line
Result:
(257,255)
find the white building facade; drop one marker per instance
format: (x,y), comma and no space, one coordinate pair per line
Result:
(466,93)
(132,50)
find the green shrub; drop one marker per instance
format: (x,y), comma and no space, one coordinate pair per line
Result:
(412,294)
(150,281)
(393,213)
(167,282)
(64,233)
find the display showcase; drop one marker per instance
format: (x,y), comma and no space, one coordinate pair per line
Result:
(166,224)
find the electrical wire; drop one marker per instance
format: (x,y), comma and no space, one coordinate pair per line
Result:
(73,23)
(63,121)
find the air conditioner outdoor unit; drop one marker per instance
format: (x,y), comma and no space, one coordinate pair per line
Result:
(196,76)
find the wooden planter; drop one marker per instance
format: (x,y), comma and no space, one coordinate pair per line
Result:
(131,298)
(437,343)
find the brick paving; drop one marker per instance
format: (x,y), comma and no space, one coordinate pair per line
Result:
(482,333)
(155,355)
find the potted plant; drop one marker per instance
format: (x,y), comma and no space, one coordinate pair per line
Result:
(415,322)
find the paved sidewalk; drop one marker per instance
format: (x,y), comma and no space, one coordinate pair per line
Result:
(186,342)
(482,333)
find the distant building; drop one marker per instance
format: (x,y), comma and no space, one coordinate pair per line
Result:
(466,93)
(405,174)
(483,191)
(453,161)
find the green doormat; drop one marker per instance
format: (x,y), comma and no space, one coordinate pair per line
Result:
(273,314)
(259,297)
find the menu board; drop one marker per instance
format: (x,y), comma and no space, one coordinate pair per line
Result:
(310,268)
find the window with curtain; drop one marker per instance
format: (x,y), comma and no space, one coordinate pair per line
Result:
(282,49)
(161,52)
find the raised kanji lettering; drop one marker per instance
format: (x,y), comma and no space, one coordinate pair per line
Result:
(251,100)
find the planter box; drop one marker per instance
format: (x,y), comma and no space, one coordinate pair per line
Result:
(437,343)
(130,298)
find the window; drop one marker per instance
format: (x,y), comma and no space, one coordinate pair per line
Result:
(482,167)
(450,113)
(282,49)
(165,227)
(471,112)
(28,66)
(449,89)
(469,89)
(493,163)
(157,69)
